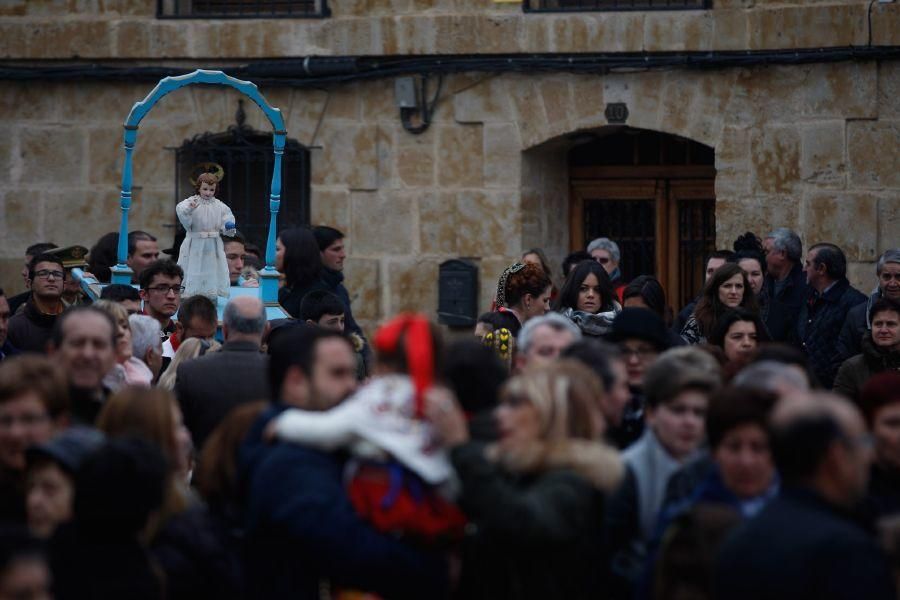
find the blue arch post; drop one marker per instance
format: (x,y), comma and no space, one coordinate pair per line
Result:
(121,273)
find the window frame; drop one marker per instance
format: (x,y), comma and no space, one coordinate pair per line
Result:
(323,13)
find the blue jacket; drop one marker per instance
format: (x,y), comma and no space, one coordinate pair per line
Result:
(302,529)
(819,326)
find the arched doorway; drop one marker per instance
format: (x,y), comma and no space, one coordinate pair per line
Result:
(654,194)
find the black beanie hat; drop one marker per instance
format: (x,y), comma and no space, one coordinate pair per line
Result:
(641,324)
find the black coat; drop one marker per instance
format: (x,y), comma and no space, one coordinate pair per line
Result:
(783,309)
(856,326)
(290,297)
(535,536)
(208,387)
(334,283)
(30,329)
(802,548)
(819,326)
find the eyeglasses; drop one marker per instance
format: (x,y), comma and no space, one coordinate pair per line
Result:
(165,289)
(47,274)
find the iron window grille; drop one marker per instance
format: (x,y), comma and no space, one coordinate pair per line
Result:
(612,5)
(241,9)
(246,157)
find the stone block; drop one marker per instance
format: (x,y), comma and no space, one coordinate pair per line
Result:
(557,99)
(132,39)
(7,145)
(886,24)
(378,101)
(482,102)
(733,162)
(774,28)
(382,223)
(105,102)
(52,156)
(71,39)
(848,219)
(502,155)
(362,278)
(889,222)
(488,275)
(384,138)
(841,90)
(528,107)
(29,101)
(614,32)
(499,34)
(106,153)
(63,209)
(22,221)
(775,158)
(822,154)
(832,25)
(412,285)
(888,89)
(861,275)
(570,33)
(13,8)
(460,148)
(438,223)
(730,29)
(152,163)
(488,223)
(153,210)
(734,214)
(331,207)
(669,31)
(414,156)
(587,92)
(10,275)
(872,153)
(306,114)
(348,157)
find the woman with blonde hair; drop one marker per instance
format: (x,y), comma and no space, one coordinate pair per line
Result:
(188,349)
(128,370)
(537,494)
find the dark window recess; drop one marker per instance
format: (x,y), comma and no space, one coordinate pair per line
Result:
(628,147)
(242,9)
(632,224)
(246,157)
(582,5)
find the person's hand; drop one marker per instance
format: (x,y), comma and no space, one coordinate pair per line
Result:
(250,283)
(270,435)
(446,416)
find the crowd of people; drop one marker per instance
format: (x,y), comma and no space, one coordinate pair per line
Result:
(588,441)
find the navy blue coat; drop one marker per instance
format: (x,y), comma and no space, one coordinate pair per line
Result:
(301,528)
(783,309)
(802,548)
(819,327)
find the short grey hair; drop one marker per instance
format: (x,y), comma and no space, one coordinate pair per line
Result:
(605,244)
(771,376)
(235,321)
(788,241)
(554,321)
(892,256)
(145,334)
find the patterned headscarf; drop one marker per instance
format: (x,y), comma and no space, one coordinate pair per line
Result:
(501,284)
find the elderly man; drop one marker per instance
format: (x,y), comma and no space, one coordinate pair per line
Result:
(30,329)
(542,339)
(210,386)
(784,283)
(606,252)
(858,323)
(823,314)
(806,544)
(146,342)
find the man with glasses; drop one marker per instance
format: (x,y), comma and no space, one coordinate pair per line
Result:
(161,291)
(606,252)
(30,330)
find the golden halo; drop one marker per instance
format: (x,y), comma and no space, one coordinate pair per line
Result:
(206,167)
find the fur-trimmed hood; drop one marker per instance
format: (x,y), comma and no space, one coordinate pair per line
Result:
(600,464)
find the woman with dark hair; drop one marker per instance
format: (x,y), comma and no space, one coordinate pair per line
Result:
(588,299)
(728,288)
(880,350)
(738,333)
(750,256)
(646,292)
(297,256)
(103,256)
(524,292)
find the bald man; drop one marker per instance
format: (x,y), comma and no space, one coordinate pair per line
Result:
(209,386)
(807,544)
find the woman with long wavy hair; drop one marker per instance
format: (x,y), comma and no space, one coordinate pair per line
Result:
(728,288)
(297,256)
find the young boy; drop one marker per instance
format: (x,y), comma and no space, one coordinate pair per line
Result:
(323,309)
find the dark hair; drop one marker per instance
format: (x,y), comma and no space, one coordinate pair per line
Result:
(833,258)
(16,543)
(52,258)
(800,446)
(119,292)
(40,248)
(197,307)
(2,293)
(103,256)
(302,258)
(650,291)
(292,345)
(318,303)
(494,319)
(749,245)
(529,280)
(732,316)
(726,255)
(504,320)
(138,236)
(163,266)
(709,308)
(568,295)
(58,327)
(326,236)
(545,264)
(475,374)
(237,237)
(730,408)
(573,259)
(879,391)
(882,305)
(597,355)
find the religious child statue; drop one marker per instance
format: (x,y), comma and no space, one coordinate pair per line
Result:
(202,254)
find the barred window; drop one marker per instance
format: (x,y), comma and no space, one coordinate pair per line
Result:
(586,5)
(242,9)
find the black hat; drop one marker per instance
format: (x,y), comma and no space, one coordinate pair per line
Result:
(642,324)
(69,448)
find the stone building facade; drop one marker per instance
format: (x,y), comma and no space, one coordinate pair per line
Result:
(811,146)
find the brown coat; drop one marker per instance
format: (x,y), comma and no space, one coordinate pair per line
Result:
(857,370)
